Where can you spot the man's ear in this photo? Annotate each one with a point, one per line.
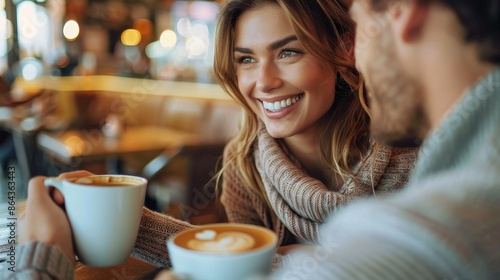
(409, 19)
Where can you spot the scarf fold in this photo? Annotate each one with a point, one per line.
(301, 202)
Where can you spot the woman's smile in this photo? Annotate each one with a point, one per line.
(288, 88)
(280, 107)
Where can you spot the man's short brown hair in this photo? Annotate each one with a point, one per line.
(480, 18)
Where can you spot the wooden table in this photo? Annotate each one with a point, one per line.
(131, 269)
(75, 146)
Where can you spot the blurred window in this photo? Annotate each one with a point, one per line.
(185, 48)
(40, 30)
(5, 33)
(33, 28)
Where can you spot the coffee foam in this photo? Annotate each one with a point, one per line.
(225, 242)
(83, 181)
(230, 238)
(101, 180)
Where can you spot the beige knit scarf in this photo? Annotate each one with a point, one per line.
(301, 202)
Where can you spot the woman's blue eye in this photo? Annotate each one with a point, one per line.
(245, 60)
(289, 53)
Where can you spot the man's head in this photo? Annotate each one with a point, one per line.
(419, 56)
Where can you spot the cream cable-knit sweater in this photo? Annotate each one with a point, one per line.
(390, 172)
(300, 201)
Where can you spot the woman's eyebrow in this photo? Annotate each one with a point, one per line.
(282, 42)
(243, 50)
(272, 46)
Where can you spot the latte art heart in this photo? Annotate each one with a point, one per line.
(206, 235)
(226, 242)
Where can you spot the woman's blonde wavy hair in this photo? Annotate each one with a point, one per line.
(327, 32)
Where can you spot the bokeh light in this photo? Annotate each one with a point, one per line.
(184, 27)
(71, 30)
(131, 37)
(200, 30)
(168, 39)
(154, 50)
(195, 46)
(30, 68)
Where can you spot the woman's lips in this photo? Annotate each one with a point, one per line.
(282, 111)
(281, 104)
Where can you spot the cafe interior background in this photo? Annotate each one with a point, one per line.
(114, 86)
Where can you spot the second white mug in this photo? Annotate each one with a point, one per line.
(223, 252)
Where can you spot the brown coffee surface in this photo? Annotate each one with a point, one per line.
(111, 181)
(226, 242)
(224, 239)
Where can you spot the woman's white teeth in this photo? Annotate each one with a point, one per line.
(278, 105)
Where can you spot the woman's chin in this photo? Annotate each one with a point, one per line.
(277, 131)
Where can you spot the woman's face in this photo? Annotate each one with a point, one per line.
(287, 87)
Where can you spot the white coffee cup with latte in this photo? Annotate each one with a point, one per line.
(104, 212)
(223, 251)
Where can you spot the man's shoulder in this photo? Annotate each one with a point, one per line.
(473, 177)
(452, 200)
(475, 187)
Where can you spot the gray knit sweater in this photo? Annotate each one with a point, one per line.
(300, 201)
(444, 225)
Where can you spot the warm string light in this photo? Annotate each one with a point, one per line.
(71, 30)
(131, 37)
(168, 39)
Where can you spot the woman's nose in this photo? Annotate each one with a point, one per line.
(268, 77)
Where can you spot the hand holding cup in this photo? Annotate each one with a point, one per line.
(104, 212)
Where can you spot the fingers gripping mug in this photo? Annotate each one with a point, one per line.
(104, 212)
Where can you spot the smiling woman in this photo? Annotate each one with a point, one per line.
(304, 148)
(272, 67)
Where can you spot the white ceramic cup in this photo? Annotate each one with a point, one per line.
(211, 261)
(104, 212)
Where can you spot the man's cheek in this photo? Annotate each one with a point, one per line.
(358, 58)
(360, 55)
